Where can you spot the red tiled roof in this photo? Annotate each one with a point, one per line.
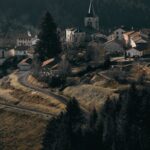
(48, 62)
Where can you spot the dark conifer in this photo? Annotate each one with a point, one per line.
(93, 119)
(48, 45)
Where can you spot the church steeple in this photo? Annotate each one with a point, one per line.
(91, 11)
(91, 20)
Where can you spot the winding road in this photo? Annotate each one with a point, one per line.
(23, 80)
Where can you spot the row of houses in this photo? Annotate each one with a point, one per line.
(119, 41)
(21, 45)
(135, 43)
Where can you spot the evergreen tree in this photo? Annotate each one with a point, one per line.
(51, 133)
(93, 119)
(74, 119)
(74, 113)
(65, 131)
(48, 45)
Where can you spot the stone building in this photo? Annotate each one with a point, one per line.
(75, 36)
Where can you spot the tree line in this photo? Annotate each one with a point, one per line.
(16, 13)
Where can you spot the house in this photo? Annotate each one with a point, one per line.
(117, 34)
(75, 36)
(130, 38)
(21, 51)
(134, 39)
(113, 47)
(10, 53)
(24, 39)
(141, 44)
(6, 53)
(91, 20)
(134, 53)
(145, 33)
(49, 67)
(34, 40)
(99, 37)
(111, 37)
(25, 64)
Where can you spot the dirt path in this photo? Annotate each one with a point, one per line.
(25, 110)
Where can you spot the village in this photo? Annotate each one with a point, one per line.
(90, 58)
(97, 69)
(120, 43)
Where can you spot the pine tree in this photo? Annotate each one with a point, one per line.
(93, 118)
(50, 136)
(74, 120)
(74, 113)
(48, 45)
(65, 131)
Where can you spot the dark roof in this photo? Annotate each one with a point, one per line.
(21, 48)
(26, 61)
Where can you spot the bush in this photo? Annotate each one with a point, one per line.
(56, 81)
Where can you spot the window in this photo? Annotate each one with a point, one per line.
(89, 23)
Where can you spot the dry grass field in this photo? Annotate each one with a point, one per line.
(20, 131)
(12, 91)
(90, 96)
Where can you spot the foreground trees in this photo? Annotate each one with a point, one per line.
(64, 131)
(122, 124)
(48, 45)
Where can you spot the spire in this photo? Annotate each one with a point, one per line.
(91, 11)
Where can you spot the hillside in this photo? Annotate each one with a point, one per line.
(15, 13)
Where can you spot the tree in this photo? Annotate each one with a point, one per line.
(65, 131)
(50, 135)
(93, 118)
(74, 115)
(74, 122)
(48, 45)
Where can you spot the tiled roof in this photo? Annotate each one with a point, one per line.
(26, 61)
(50, 62)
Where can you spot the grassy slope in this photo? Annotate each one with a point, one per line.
(89, 95)
(20, 132)
(15, 92)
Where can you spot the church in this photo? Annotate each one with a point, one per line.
(91, 20)
(91, 26)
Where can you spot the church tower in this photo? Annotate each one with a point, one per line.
(91, 20)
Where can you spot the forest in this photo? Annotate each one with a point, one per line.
(122, 124)
(19, 14)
